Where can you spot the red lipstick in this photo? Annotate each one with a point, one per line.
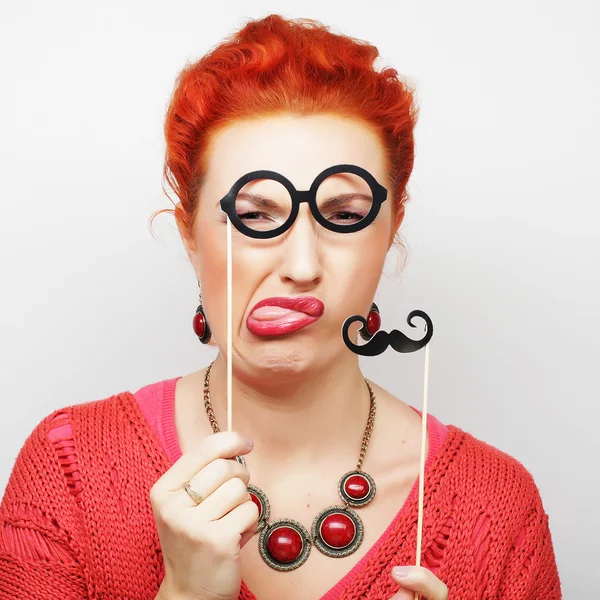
(283, 314)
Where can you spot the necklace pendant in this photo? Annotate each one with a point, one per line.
(356, 488)
(262, 502)
(284, 544)
(337, 531)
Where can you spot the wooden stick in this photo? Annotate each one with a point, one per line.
(422, 467)
(229, 331)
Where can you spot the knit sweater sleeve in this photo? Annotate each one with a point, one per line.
(529, 567)
(40, 558)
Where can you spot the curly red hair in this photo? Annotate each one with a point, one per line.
(274, 65)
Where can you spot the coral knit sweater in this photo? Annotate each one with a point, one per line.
(76, 520)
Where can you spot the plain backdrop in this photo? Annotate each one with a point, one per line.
(502, 226)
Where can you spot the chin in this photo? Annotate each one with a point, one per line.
(289, 361)
(286, 359)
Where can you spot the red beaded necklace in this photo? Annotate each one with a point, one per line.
(337, 531)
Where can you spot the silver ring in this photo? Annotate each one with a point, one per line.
(193, 493)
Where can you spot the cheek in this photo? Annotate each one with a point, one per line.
(250, 266)
(355, 272)
(212, 257)
(212, 264)
(362, 268)
(371, 252)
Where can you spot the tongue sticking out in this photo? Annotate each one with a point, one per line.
(272, 313)
(269, 318)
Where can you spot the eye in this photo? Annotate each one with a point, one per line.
(252, 215)
(347, 216)
(345, 209)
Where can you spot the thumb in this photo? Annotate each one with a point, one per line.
(249, 534)
(403, 595)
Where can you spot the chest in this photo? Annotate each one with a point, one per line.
(320, 573)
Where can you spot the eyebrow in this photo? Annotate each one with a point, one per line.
(341, 198)
(257, 199)
(262, 201)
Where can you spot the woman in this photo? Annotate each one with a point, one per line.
(140, 495)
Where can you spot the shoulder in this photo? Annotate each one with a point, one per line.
(490, 469)
(99, 423)
(82, 418)
(493, 465)
(60, 423)
(54, 437)
(45, 472)
(81, 440)
(492, 484)
(54, 424)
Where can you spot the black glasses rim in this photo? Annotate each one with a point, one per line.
(379, 196)
(341, 168)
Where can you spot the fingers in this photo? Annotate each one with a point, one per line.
(209, 479)
(219, 445)
(406, 594)
(224, 499)
(243, 518)
(421, 580)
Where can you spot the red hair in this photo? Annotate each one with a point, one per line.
(274, 65)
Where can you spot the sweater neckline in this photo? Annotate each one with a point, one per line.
(434, 433)
(173, 449)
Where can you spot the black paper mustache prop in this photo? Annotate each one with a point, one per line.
(380, 342)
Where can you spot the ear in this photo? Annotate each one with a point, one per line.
(190, 246)
(398, 217)
(187, 243)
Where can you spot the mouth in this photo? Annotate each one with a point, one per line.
(282, 314)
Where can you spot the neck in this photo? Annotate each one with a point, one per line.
(298, 420)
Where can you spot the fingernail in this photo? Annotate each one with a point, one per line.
(249, 442)
(400, 572)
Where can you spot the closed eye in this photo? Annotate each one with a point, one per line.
(346, 208)
(252, 215)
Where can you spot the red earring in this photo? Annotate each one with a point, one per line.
(200, 324)
(373, 323)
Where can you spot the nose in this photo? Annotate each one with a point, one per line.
(301, 262)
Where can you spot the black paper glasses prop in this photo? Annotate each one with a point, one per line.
(264, 204)
(400, 343)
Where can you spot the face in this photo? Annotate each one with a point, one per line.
(309, 279)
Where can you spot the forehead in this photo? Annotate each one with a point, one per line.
(298, 147)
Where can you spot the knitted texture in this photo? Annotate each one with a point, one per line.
(76, 520)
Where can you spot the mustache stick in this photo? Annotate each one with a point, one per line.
(422, 466)
(229, 331)
(377, 344)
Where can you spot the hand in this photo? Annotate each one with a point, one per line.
(420, 580)
(201, 542)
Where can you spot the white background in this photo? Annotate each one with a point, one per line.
(502, 225)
